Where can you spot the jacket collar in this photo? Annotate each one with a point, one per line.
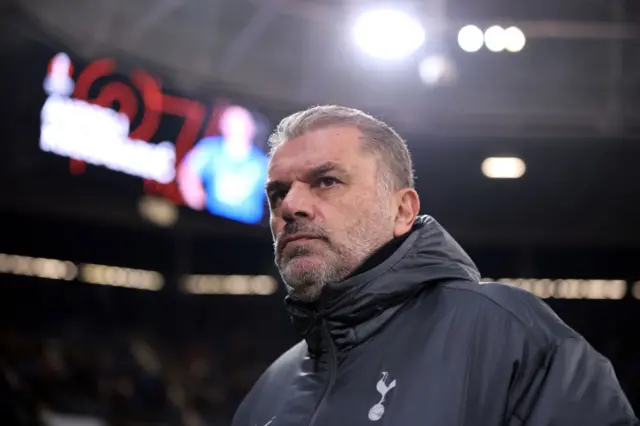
(356, 308)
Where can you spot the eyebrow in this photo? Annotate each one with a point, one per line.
(313, 173)
(324, 169)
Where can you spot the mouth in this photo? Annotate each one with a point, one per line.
(296, 237)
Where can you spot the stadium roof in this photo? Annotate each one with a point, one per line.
(567, 103)
(576, 75)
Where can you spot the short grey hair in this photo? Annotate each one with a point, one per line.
(379, 139)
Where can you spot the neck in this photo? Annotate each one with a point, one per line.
(345, 308)
(380, 255)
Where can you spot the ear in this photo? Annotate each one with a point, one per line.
(408, 207)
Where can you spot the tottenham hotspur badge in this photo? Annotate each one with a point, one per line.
(377, 411)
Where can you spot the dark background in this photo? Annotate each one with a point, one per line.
(567, 105)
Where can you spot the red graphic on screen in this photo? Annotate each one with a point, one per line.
(125, 97)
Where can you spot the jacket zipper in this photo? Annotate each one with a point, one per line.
(333, 368)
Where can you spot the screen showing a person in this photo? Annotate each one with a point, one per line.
(207, 158)
(225, 174)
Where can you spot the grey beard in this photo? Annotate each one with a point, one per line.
(307, 286)
(365, 237)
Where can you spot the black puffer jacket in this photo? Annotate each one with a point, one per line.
(417, 340)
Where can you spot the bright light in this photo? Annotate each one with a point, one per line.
(388, 34)
(514, 39)
(571, 288)
(121, 277)
(494, 39)
(158, 211)
(37, 267)
(436, 70)
(230, 284)
(470, 38)
(100, 136)
(503, 167)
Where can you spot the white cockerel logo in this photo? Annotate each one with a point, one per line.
(377, 411)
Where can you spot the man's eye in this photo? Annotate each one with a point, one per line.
(275, 197)
(327, 182)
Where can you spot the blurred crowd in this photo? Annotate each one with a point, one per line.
(79, 356)
(125, 379)
(131, 379)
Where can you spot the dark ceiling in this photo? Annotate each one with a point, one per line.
(568, 104)
(577, 74)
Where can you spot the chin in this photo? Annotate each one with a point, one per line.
(303, 266)
(305, 290)
(307, 259)
(300, 267)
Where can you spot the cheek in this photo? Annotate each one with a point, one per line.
(276, 225)
(366, 212)
(348, 214)
(344, 217)
(359, 205)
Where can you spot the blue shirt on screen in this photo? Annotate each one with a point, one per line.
(234, 186)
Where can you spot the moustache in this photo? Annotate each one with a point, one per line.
(298, 227)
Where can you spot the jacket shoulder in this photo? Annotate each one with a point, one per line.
(521, 306)
(287, 362)
(277, 375)
(282, 369)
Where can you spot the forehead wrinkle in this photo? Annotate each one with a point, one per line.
(307, 170)
(300, 154)
(317, 138)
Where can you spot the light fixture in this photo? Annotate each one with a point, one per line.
(388, 34)
(470, 38)
(436, 69)
(514, 39)
(494, 38)
(503, 167)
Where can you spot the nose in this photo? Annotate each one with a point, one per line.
(297, 204)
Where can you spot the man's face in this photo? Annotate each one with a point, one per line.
(237, 125)
(329, 211)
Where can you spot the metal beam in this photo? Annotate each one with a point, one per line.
(151, 18)
(563, 30)
(103, 30)
(250, 34)
(533, 29)
(613, 107)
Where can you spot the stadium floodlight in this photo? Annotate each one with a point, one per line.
(503, 167)
(494, 38)
(470, 38)
(436, 69)
(514, 39)
(388, 34)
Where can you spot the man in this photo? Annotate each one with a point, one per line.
(226, 174)
(396, 328)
